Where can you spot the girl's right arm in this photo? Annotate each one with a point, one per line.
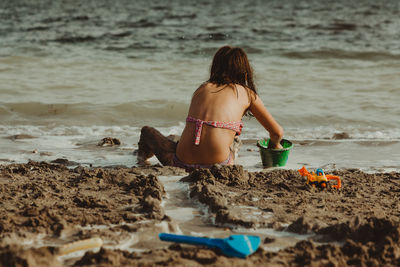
(265, 118)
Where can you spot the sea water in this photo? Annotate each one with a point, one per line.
(72, 73)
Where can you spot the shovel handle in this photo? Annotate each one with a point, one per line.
(193, 240)
(80, 245)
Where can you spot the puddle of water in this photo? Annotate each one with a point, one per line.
(269, 232)
(188, 214)
(76, 254)
(193, 217)
(177, 204)
(281, 239)
(125, 244)
(144, 237)
(250, 213)
(35, 241)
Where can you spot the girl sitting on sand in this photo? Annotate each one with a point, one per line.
(214, 118)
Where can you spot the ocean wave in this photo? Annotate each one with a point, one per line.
(180, 16)
(75, 131)
(339, 134)
(214, 36)
(133, 46)
(120, 34)
(72, 39)
(135, 113)
(209, 51)
(141, 23)
(336, 26)
(341, 54)
(322, 134)
(206, 51)
(290, 25)
(51, 20)
(37, 28)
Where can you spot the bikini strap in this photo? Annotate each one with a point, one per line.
(234, 126)
(199, 127)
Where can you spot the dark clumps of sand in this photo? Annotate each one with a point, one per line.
(357, 225)
(50, 198)
(341, 136)
(285, 195)
(15, 255)
(374, 242)
(109, 141)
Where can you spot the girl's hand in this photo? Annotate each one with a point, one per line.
(271, 145)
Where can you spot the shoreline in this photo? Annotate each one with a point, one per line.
(372, 156)
(46, 205)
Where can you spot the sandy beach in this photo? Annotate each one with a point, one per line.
(47, 205)
(79, 79)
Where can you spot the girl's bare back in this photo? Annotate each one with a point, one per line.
(226, 103)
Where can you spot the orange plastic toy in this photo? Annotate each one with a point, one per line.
(319, 179)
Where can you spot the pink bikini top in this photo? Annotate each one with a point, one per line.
(234, 126)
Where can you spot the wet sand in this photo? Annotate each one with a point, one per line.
(45, 205)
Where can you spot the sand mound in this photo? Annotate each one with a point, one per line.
(14, 255)
(285, 195)
(54, 203)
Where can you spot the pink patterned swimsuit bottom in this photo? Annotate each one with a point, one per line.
(192, 167)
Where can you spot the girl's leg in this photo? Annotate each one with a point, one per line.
(151, 143)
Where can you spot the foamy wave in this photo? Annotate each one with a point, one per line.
(96, 130)
(132, 133)
(324, 133)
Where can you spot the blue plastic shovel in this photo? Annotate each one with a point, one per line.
(239, 246)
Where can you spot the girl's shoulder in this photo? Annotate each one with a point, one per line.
(245, 91)
(238, 89)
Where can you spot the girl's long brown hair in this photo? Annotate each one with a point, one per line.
(230, 66)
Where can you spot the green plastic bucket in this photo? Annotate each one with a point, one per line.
(274, 157)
